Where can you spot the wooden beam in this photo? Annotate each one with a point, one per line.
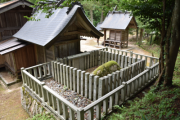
(76, 32)
(70, 33)
(9, 28)
(104, 36)
(66, 41)
(6, 37)
(19, 11)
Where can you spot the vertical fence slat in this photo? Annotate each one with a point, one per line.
(95, 93)
(87, 85)
(65, 111)
(98, 111)
(91, 114)
(67, 76)
(101, 87)
(61, 74)
(71, 114)
(74, 79)
(91, 81)
(78, 81)
(59, 107)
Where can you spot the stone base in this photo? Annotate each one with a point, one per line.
(32, 105)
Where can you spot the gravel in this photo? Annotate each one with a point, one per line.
(68, 94)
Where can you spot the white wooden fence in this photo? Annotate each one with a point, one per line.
(88, 85)
(106, 91)
(152, 60)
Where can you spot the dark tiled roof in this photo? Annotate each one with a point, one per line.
(117, 20)
(12, 4)
(7, 3)
(11, 45)
(43, 31)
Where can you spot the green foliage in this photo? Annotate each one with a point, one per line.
(1, 1)
(42, 117)
(150, 12)
(154, 106)
(106, 68)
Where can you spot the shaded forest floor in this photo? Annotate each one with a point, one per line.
(163, 104)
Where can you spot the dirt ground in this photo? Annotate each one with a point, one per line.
(10, 103)
(10, 99)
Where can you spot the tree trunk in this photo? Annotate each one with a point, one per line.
(161, 60)
(137, 34)
(91, 13)
(175, 44)
(141, 36)
(102, 17)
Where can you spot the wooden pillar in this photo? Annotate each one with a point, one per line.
(98, 41)
(137, 34)
(0, 36)
(104, 36)
(127, 36)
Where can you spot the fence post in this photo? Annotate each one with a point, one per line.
(131, 54)
(106, 48)
(123, 92)
(52, 68)
(80, 114)
(101, 87)
(44, 95)
(22, 75)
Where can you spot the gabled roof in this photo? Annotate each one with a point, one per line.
(98, 26)
(117, 20)
(11, 45)
(47, 29)
(12, 4)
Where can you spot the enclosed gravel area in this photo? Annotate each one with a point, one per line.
(68, 94)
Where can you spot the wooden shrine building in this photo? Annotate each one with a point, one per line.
(11, 20)
(118, 24)
(50, 38)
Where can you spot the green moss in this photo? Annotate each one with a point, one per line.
(106, 68)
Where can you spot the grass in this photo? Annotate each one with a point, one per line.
(155, 105)
(42, 117)
(163, 104)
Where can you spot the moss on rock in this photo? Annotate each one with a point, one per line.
(106, 68)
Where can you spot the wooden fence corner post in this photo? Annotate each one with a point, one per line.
(131, 54)
(22, 75)
(80, 114)
(43, 92)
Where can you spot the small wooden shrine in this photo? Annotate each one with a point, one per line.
(118, 24)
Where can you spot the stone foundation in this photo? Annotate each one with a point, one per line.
(32, 104)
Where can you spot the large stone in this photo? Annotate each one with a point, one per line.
(32, 106)
(106, 68)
